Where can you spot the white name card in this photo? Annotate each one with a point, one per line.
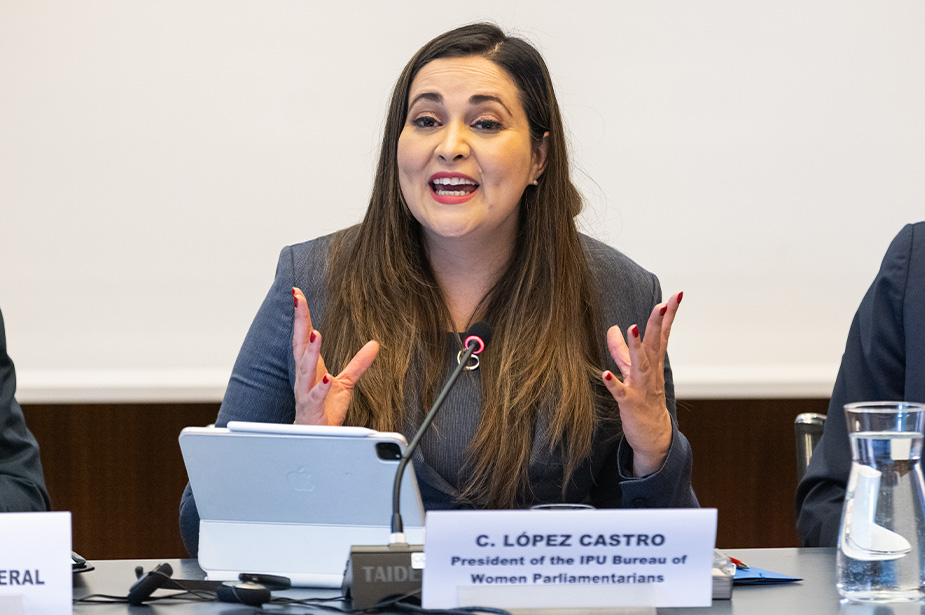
(569, 558)
(35, 563)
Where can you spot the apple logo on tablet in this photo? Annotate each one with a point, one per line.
(300, 480)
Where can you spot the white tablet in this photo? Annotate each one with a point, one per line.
(291, 499)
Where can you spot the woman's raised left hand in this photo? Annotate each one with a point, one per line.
(641, 394)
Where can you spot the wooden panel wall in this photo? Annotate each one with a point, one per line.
(745, 466)
(118, 469)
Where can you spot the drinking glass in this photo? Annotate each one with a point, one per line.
(883, 517)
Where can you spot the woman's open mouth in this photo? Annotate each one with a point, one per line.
(451, 189)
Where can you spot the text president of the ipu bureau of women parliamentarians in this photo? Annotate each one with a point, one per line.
(472, 217)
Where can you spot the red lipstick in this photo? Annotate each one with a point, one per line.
(452, 188)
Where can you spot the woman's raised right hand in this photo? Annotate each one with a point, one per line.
(320, 398)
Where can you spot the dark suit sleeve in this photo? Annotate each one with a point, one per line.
(873, 368)
(260, 388)
(22, 485)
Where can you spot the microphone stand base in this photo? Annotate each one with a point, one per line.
(377, 572)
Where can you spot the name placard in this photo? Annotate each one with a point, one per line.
(569, 558)
(35, 563)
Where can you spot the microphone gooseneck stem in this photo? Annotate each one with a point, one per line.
(397, 525)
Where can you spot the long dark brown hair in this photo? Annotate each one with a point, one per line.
(544, 310)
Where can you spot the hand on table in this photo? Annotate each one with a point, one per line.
(320, 398)
(641, 395)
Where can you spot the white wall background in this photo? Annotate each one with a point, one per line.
(155, 156)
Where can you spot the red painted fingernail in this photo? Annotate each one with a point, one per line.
(663, 310)
(311, 338)
(608, 376)
(680, 296)
(295, 300)
(325, 380)
(635, 330)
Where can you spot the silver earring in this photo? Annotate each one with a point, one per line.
(536, 182)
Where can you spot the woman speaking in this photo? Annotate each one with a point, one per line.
(472, 217)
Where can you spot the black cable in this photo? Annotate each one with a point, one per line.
(397, 603)
(187, 595)
(308, 605)
(401, 603)
(397, 525)
(465, 610)
(94, 599)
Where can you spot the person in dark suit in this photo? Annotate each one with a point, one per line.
(884, 360)
(22, 485)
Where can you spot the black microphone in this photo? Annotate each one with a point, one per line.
(475, 340)
(142, 589)
(377, 572)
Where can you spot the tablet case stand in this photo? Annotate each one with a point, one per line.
(291, 500)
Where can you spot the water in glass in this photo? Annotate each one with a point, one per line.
(879, 547)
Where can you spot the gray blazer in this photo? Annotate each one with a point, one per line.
(261, 389)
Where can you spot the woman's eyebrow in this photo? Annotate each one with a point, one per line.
(432, 96)
(476, 99)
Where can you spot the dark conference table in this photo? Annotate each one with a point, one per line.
(814, 595)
